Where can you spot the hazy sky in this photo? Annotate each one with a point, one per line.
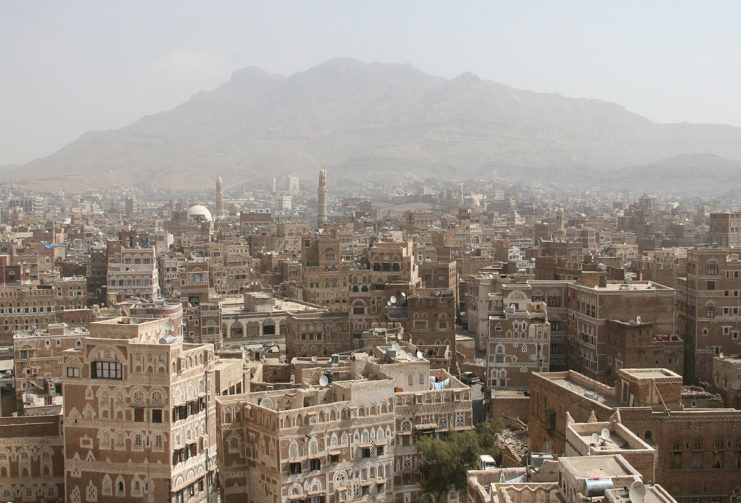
(67, 67)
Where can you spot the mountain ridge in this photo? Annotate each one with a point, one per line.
(355, 117)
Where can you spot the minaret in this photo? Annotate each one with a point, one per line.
(321, 211)
(219, 198)
(560, 233)
(461, 199)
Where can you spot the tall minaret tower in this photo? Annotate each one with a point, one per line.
(321, 211)
(461, 199)
(560, 233)
(219, 198)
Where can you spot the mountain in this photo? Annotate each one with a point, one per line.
(701, 174)
(368, 120)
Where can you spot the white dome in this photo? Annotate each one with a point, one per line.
(199, 212)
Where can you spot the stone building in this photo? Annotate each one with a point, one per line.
(317, 334)
(132, 272)
(607, 478)
(698, 451)
(351, 439)
(708, 309)
(38, 359)
(25, 307)
(611, 438)
(555, 294)
(70, 293)
(519, 339)
(635, 344)
(324, 273)
(258, 315)
(479, 303)
(725, 229)
(439, 276)
(727, 379)
(139, 418)
(31, 459)
(160, 308)
(593, 301)
(431, 317)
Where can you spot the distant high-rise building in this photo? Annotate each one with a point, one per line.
(322, 198)
(32, 205)
(130, 206)
(287, 185)
(219, 198)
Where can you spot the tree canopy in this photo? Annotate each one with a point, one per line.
(445, 461)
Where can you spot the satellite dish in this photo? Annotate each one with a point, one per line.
(169, 325)
(393, 299)
(313, 359)
(438, 293)
(323, 381)
(637, 492)
(409, 357)
(595, 439)
(419, 354)
(605, 434)
(389, 303)
(267, 403)
(403, 295)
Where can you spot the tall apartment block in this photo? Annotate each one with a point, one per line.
(139, 418)
(725, 229)
(132, 272)
(708, 305)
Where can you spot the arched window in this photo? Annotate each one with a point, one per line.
(120, 487)
(293, 450)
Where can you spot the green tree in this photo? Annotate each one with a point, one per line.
(445, 461)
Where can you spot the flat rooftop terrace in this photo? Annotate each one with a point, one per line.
(585, 391)
(592, 467)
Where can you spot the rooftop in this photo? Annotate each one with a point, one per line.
(617, 286)
(602, 467)
(649, 373)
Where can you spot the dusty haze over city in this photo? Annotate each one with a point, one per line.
(76, 67)
(370, 251)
